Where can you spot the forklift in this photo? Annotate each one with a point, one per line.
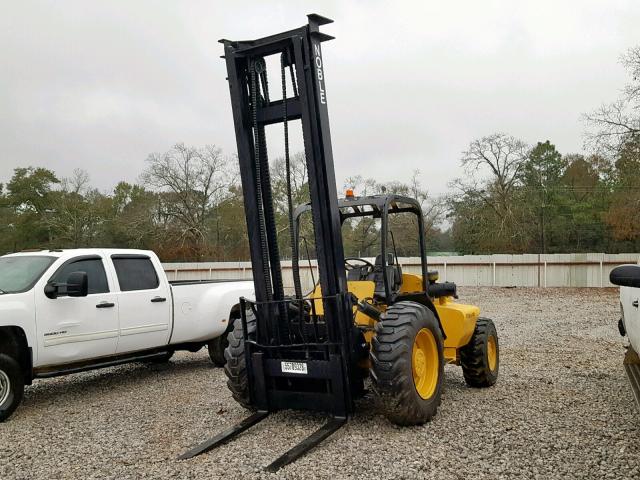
(364, 323)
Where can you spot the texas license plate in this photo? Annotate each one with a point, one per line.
(294, 367)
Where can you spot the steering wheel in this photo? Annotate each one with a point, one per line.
(365, 263)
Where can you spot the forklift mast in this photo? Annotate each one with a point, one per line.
(286, 328)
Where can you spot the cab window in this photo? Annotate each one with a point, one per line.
(135, 273)
(96, 275)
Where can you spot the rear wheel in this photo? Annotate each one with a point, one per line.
(236, 365)
(216, 349)
(407, 363)
(11, 386)
(480, 358)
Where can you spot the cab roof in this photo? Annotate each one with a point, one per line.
(371, 206)
(72, 252)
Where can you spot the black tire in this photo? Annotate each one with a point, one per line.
(12, 378)
(474, 357)
(236, 365)
(159, 360)
(392, 372)
(621, 328)
(217, 346)
(216, 349)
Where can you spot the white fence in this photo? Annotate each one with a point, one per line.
(529, 270)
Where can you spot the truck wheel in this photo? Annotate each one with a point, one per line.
(480, 358)
(11, 386)
(236, 365)
(216, 349)
(621, 328)
(407, 363)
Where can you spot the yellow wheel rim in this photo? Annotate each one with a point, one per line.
(425, 363)
(492, 353)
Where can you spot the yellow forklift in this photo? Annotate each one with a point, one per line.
(362, 320)
(399, 312)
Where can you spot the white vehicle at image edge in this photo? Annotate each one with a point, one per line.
(66, 311)
(628, 278)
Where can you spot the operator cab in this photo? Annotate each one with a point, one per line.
(377, 230)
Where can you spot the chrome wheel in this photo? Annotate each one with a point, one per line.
(5, 387)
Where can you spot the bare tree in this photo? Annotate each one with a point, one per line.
(433, 208)
(298, 171)
(362, 186)
(191, 182)
(503, 156)
(613, 125)
(78, 183)
(494, 166)
(299, 181)
(364, 233)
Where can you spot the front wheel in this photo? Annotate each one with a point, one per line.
(480, 358)
(407, 363)
(236, 364)
(11, 386)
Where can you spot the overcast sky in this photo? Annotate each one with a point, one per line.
(100, 85)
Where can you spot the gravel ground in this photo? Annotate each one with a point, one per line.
(562, 408)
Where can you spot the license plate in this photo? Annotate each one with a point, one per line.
(294, 367)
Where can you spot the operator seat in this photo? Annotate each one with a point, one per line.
(394, 273)
(355, 274)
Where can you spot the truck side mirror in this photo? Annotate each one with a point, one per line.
(626, 276)
(77, 284)
(51, 290)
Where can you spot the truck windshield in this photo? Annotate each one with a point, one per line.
(19, 274)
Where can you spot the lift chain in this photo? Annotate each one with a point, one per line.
(278, 326)
(256, 156)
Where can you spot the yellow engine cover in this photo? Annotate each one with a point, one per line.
(459, 322)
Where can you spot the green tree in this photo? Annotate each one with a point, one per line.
(134, 221)
(79, 214)
(541, 178)
(7, 219)
(231, 241)
(584, 196)
(30, 197)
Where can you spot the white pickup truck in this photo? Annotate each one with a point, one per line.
(66, 311)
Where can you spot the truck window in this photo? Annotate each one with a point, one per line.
(96, 276)
(20, 273)
(135, 273)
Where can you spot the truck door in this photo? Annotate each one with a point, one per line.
(71, 329)
(145, 303)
